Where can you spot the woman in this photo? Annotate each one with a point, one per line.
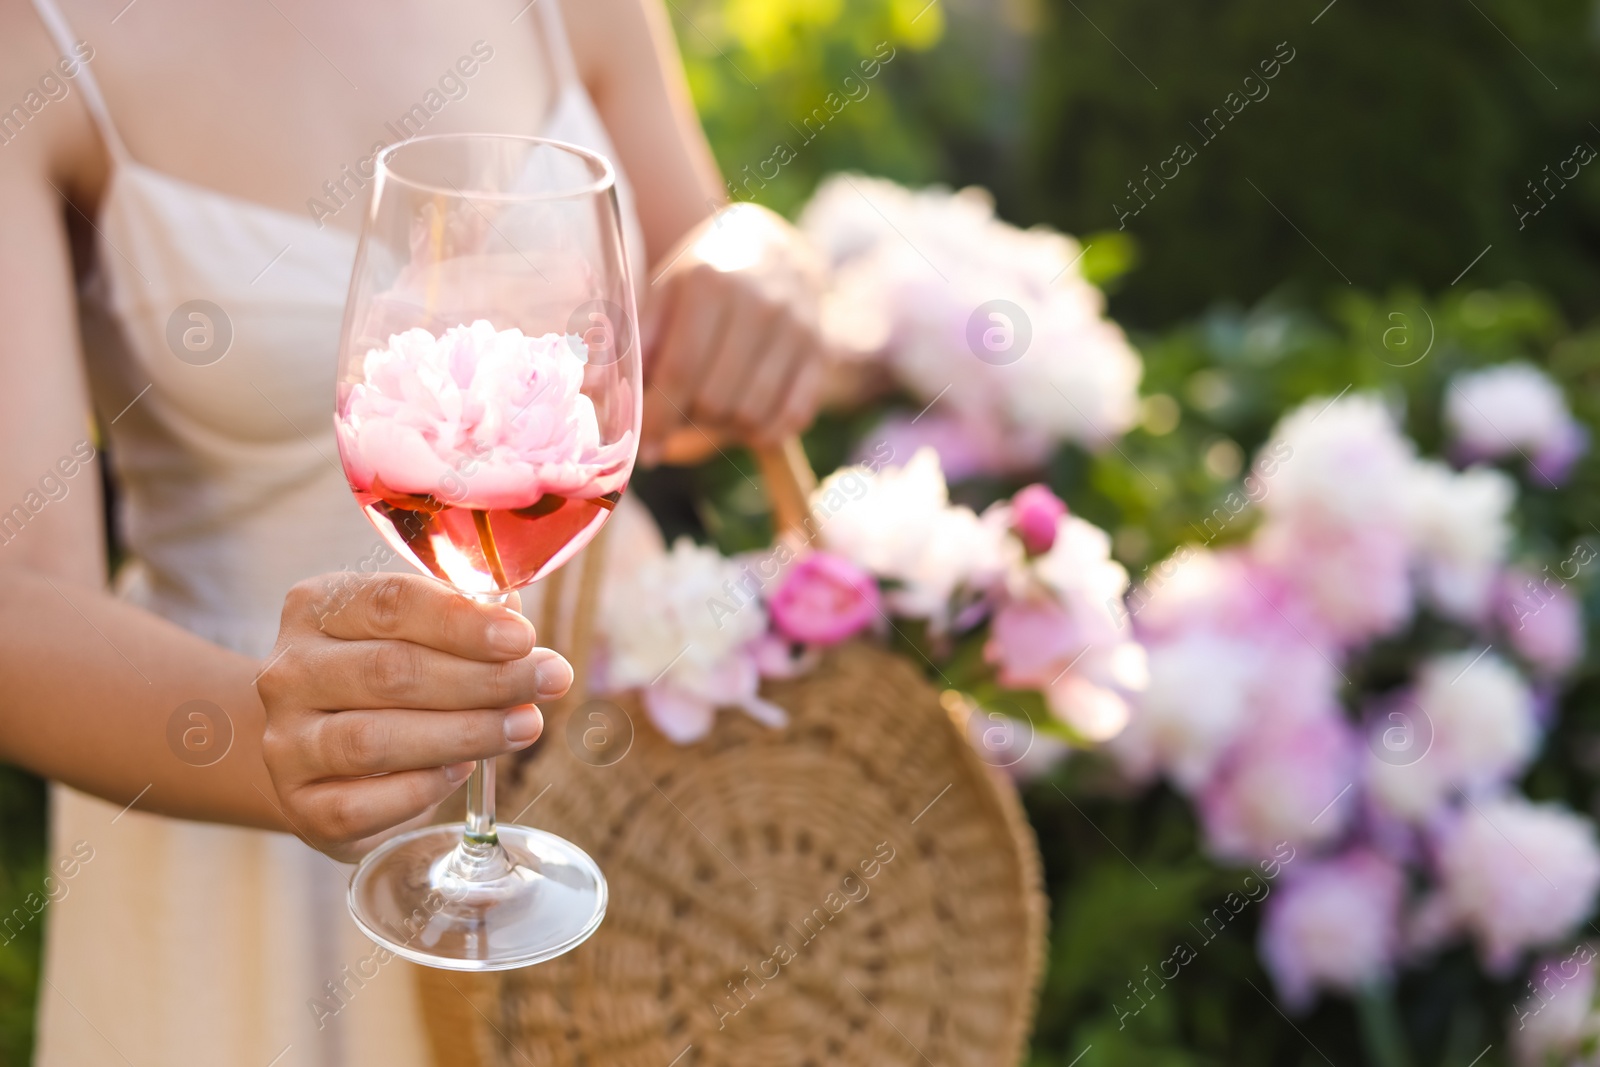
(211, 163)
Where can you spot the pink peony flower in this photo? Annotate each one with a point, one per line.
(1060, 627)
(1357, 579)
(1283, 781)
(1200, 697)
(1208, 689)
(1231, 647)
(1559, 1019)
(1517, 875)
(1035, 513)
(1031, 641)
(1334, 924)
(1230, 591)
(966, 450)
(823, 600)
(1543, 621)
(1561, 449)
(478, 418)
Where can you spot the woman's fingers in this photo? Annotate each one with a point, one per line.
(353, 675)
(351, 810)
(383, 691)
(798, 404)
(409, 607)
(742, 346)
(693, 321)
(355, 744)
(733, 344)
(764, 393)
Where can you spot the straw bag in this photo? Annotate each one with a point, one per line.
(857, 888)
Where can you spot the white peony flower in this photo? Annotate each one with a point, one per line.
(1475, 718)
(1346, 464)
(1517, 875)
(899, 524)
(1338, 516)
(694, 649)
(1199, 698)
(1460, 529)
(1514, 408)
(915, 273)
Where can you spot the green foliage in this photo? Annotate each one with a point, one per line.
(22, 845)
(762, 72)
(1395, 141)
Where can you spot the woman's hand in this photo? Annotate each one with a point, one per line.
(382, 691)
(732, 341)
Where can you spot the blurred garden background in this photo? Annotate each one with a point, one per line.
(1401, 184)
(1394, 176)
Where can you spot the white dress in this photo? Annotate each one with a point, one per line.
(185, 944)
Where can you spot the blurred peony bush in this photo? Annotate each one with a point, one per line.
(1303, 599)
(1253, 650)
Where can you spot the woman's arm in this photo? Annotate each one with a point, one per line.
(730, 317)
(364, 715)
(629, 62)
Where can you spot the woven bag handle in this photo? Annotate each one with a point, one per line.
(789, 482)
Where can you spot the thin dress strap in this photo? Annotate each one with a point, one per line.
(555, 33)
(56, 23)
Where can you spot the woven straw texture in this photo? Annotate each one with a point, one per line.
(858, 888)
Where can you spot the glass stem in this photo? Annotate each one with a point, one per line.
(480, 832)
(480, 805)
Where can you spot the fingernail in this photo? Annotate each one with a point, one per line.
(523, 725)
(458, 772)
(511, 637)
(553, 677)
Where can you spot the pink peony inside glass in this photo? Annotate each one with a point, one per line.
(477, 454)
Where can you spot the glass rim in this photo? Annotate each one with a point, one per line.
(606, 179)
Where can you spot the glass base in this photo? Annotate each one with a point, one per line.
(434, 898)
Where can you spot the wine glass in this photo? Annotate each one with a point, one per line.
(487, 416)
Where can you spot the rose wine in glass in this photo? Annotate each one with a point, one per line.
(487, 416)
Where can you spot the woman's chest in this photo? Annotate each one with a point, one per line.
(226, 235)
(282, 103)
